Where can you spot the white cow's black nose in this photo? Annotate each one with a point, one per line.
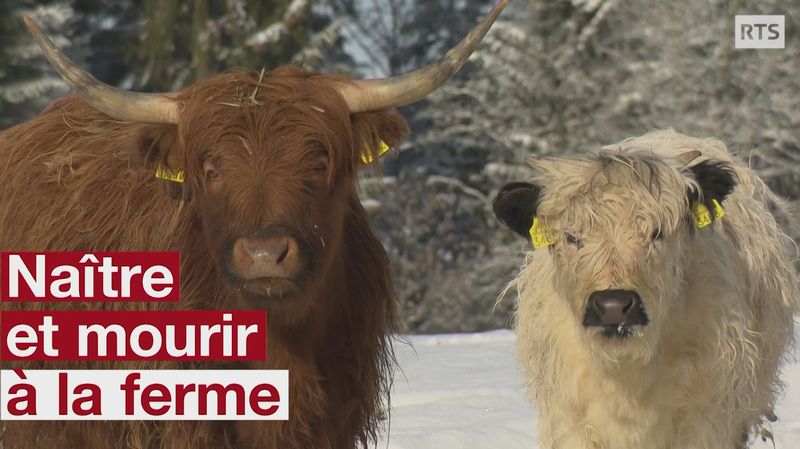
(613, 308)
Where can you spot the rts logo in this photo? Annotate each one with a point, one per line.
(760, 32)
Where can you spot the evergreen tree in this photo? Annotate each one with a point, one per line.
(182, 42)
(567, 77)
(151, 45)
(25, 81)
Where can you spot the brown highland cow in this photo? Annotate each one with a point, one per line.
(267, 218)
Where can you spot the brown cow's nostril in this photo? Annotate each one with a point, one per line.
(260, 257)
(265, 251)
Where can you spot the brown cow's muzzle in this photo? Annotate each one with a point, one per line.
(271, 263)
(266, 258)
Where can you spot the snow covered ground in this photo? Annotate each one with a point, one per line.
(465, 392)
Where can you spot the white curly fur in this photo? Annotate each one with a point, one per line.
(720, 302)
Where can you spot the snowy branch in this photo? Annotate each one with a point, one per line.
(274, 32)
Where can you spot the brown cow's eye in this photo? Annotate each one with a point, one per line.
(320, 167)
(657, 235)
(320, 162)
(210, 170)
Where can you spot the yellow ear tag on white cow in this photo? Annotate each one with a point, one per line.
(170, 174)
(539, 236)
(367, 158)
(702, 216)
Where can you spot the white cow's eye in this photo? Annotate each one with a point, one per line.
(572, 240)
(657, 235)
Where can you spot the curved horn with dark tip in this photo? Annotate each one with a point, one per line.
(119, 104)
(373, 95)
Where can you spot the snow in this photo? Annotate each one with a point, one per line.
(465, 391)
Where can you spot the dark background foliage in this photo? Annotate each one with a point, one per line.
(553, 77)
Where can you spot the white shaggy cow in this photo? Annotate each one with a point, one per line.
(659, 308)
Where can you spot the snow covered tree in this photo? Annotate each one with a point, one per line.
(153, 45)
(25, 82)
(213, 35)
(391, 37)
(563, 77)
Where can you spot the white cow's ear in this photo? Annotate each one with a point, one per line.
(543, 165)
(686, 158)
(515, 206)
(558, 168)
(714, 179)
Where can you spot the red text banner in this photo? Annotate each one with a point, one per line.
(133, 335)
(89, 276)
(86, 395)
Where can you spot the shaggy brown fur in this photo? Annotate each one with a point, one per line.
(74, 179)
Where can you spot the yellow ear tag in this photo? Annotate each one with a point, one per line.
(702, 216)
(179, 176)
(170, 174)
(367, 158)
(539, 236)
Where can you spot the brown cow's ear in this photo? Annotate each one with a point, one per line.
(373, 129)
(158, 148)
(715, 179)
(515, 206)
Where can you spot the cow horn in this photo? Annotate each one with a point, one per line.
(373, 95)
(120, 104)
